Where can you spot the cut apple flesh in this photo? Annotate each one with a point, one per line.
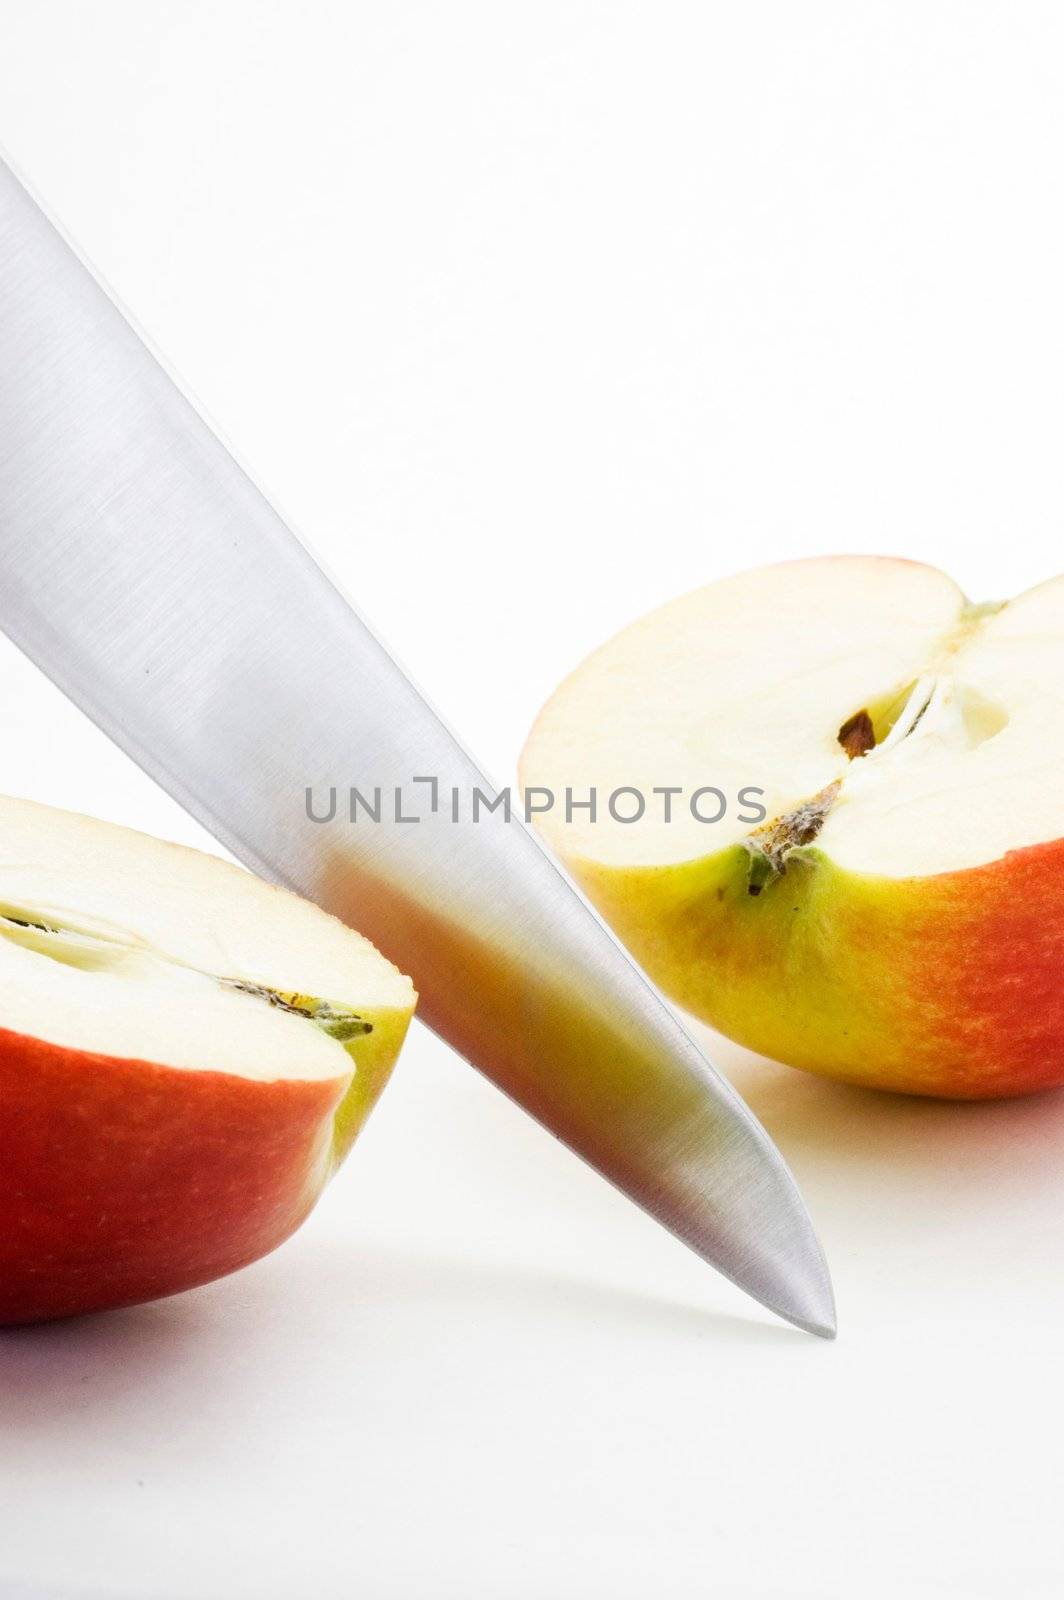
(749, 683)
(185, 1055)
(117, 942)
(891, 731)
(123, 1000)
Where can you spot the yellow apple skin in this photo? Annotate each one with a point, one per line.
(950, 985)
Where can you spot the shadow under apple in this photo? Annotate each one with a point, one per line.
(911, 1178)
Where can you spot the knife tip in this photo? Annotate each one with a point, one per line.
(823, 1330)
(805, 1298)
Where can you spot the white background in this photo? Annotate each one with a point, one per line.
(532, 316)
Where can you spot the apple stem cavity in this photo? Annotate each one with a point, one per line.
(770, 845)
(338, 1022)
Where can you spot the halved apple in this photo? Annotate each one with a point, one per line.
(895, 914)
(186, 1055)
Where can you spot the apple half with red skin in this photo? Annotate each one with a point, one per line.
(896, 917)
(186, 1055)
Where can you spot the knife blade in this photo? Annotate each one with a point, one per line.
(148, 576)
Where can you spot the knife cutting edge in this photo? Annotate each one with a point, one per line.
(147, 575)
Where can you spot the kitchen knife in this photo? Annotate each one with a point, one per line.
(149, 577)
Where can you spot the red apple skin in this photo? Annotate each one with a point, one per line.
(121, 1180)
(949, 986)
